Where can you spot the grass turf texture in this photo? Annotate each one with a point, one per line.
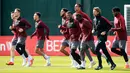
(60, 64)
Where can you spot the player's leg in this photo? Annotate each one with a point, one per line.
(12, 50)
(21, 46)
(98, 57)
(122, 44)
(39, 50)
(82, 53)
(90, 45)
(103, 47)
(115, 47)
(63, 46)
(74, 45)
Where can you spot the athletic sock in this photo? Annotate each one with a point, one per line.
(11, 59)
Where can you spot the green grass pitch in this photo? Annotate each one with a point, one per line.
(60, 64)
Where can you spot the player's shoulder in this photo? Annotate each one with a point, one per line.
(23, 19)
(41, 22)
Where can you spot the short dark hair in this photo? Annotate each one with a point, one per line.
(79, 4)
(69, 12)
(38, 13)
(116, 9)
(79, 15)
(18, 9)
(65, 9)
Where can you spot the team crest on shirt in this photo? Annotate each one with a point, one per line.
(16, 22)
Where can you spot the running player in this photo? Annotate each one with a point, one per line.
(87, 39)
(41, 36)
(121, 35)
(21, 25)
(102, 26)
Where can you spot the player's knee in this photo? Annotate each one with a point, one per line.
(36, 50)
(12, 49)
(62, 50)
(73, 52)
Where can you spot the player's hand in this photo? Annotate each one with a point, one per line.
(93, 31)
(114, 32)
(20, 30)
(103, 33)
(47, 37)
(13, 32)
(10, 27)
(59, 26)
(72, 36)
(61, 32)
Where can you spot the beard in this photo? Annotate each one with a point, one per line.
(62, 15)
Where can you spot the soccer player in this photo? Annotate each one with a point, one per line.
(41, 36)
(87, 39)
(85, 16)
(121, 35)
(65, 42)
(14, 41)
(102, 26)
(21, 25)
(79, 11)
(74, 31)
(66, 35)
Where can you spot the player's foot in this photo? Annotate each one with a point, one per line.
(83, 64)
(127, 66)
(92, 64)
(10, 63)
(75, 64)
(30, 62)
(48, 63)
(113, 66)
(24, 62)
(98, 68)
(79, 67)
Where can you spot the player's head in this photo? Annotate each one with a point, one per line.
(12, 15)
(115, 11)
(79, 17)
(63, 11)
(69, 15)
(77, 7)
(37, 16)
(96, 11)
(17, 12)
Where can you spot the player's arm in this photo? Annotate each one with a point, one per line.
(27, 24)
(79, 30)
(107, 25)
(86, 17)
(33, 34)
(121, 27)
(88, 27)
(47, 30)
